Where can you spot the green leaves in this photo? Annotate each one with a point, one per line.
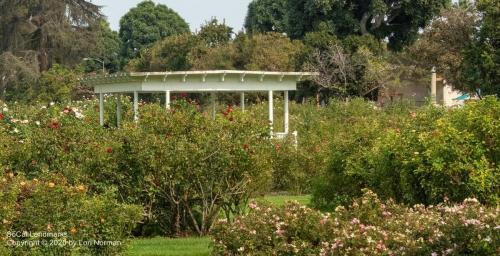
(399, 21)
(146, 24)
(369, 226)
(415, 157)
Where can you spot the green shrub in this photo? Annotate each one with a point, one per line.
(73, 220)
(416, 156)
(193, 165)
(367, 227)
(181, 165)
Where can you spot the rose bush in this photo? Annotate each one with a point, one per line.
(368, 227)
(192, 165)
(184, 167)
(418, 156)
(181, 165)
(50, 205)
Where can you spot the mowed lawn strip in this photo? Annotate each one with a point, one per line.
(194, 246)
(280, 200)
(191, 246)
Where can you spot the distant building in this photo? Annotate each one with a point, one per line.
(420, 93)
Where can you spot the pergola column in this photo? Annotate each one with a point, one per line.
(136, 106)
(242, 101)
(101, 109)
(433, 86)
(214, 104)
(271, 111)
(167, 99)
(287, 124)
(118, 110)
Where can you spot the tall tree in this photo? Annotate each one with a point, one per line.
(482, 57)
(169, 54)
(270, 51)
(146, 24)
(442, 43)
(17, 74)
(215, 33)
(214, 49)
(108, 50)
(266, 15)
(397, 20)
(59, 31)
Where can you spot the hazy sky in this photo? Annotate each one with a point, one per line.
(195, 12)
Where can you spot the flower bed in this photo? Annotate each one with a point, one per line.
(368, 227)
(50, 217)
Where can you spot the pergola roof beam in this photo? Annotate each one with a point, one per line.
(196, 81)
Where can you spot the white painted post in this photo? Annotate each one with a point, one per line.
(242, 101)
(271, 112)
(118, 110)
(214, 105)
(434, 86)
(136, 106)
(167, 99)
(287, 124)
(101, 109)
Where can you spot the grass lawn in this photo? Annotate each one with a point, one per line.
(192, 246)
(169, 247)
(279, 200)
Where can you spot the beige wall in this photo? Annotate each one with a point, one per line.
(418, 93)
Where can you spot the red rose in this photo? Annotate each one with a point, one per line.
(228, 111)
(109, 150)
(277, 147)
(54, 125)
(1, 116)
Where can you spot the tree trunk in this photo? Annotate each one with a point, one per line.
(362, 23)
(177, 225)
(43, 60)
(318, 96)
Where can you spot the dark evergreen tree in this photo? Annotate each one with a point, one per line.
(146, 24)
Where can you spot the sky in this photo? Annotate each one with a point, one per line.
(195, 12)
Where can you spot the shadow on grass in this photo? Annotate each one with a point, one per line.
(194, 246)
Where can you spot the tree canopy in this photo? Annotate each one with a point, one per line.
(36, 34)
(442, 43)
(482, 57)
(397, 20)
(146, 24)
(59, 31)
(266, 15)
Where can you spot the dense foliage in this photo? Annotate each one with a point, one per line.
(399, 21)
(36, 35)
(417, 156)
(146, 24)
(442, 43)
(55, 31)
(176, 171)
(181, 165)
(482, 56)
(48, 216)
(211, 49)
(368, 227)
(266, 15)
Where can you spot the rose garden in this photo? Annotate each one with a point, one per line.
(317, 128)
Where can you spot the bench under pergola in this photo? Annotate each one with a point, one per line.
(219, 81)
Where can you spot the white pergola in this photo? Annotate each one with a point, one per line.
(218, 81)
